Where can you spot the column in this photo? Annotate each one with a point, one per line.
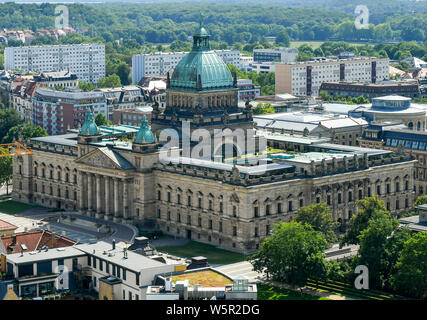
(107, 197)
(116, 199)
(125, 200)
(89, 193)
(98, 196)
(81, 191)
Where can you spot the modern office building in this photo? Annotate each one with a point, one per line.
(87, 61)
(161, 62)
(305, 78)
(284, 55)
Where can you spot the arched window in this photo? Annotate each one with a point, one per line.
(418, 125)
(411, 125)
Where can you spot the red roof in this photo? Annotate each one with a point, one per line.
(34, 240)
(4, 225)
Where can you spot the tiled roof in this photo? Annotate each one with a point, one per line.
(34, 240)
(4, 225)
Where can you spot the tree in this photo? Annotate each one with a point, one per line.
(283, 39)
(6, 171)
(411, 268)
(86, 86)
(8, 119)
(293, 253)
(372, 249)
(263, 108)
(319, 216)
(421, 200)
(25, 131)
(100, 119)
(369, 208)
(123, 71)
(111, 81)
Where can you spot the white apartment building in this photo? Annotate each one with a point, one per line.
(161, 62)
(246, 63)
(264, 67)
(305, 78)
(87, 61)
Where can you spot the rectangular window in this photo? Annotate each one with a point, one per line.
(255, 212)
(290, 206)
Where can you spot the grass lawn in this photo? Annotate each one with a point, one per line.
(270, 292)
(12, 207)
(215, 255)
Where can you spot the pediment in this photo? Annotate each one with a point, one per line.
(105, 158)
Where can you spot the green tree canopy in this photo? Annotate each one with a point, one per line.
(8, 119)
(372, 249)
(26, 131)
(369, 208)
(319, 216)
(283, 39)
(293, 253)
(6, 171)
(100, 119)
(411, 268)
(111, 81)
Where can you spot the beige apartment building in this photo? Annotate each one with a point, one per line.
(305, 78)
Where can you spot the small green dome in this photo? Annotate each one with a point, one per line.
(89, 127)
(144, 134)
(201, 68)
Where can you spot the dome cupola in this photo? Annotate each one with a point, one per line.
(201, 69)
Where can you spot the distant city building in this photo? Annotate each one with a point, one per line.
(127, 97)
(371, 90)
(57, 111)
(391, 135)
(284, 55)
(161, 62)
(246, 63)
(306, 78)
(64, 79)
(396, 108)
(133, 116)
(339, 129)
(87, 61)
(247, 90)
(263, 67)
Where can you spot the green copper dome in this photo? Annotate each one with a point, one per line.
(89, 127)
(201, 69)
(144, 134)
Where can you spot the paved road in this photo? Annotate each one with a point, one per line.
(243, 268)
(121, 232)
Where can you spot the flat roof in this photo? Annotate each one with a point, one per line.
(134, 261)
(50, 254)
(351, 149)
(292, 138)
(69, 139)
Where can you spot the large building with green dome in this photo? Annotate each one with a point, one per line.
(117, 173)
(203, 92)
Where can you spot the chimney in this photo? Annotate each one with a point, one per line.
(114, 244)
(53, 235)
(13, 239)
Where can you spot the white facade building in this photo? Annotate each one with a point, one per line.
(87, 61)
(284, 55)
(161, 62)
(305, 78)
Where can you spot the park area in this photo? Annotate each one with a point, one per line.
(13, 207)
(215, 255)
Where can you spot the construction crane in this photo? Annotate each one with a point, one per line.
(13, 149)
